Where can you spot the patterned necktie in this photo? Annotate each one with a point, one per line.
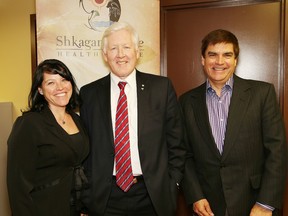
(124, 177)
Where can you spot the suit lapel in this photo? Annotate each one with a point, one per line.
(82, 131)
(105, 105)
(55, 128)
(238, 108)
(142, 98)
(104, 100)
(198, 101)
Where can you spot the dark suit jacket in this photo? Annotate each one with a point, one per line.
(159, 141)
(252, 166)
(40, 165)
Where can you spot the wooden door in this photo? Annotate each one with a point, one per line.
(257, 28)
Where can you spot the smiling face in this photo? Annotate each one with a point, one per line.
(120, 53)
(56, 90)
(219, 63)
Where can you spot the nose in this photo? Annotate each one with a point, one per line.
(59, 86)
(219, 59)
(121, 52)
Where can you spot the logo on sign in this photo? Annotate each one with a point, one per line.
(101, 13)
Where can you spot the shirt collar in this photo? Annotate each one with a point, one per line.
(131, 79)
(228, 84)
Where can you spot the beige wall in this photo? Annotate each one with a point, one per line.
(15, 72)
(5, 116)
(15, 54)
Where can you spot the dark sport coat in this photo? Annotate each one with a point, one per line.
(159, 141)
(253, 164)
(41, 162)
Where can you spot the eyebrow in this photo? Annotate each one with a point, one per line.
(225, 53)
(47, 80)
(229, 53)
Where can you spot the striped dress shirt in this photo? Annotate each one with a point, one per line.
(218, 108)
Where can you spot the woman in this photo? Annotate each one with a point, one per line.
(47, 146)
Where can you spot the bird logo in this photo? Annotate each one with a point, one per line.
(101, 13)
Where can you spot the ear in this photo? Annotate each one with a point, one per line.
(202, 60)
(137, 53)
(104, 56)
(40, 91)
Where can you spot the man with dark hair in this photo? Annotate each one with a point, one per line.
(236, 160)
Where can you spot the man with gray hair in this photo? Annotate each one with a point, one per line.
(134, 124)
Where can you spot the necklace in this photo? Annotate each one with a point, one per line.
(63, 120)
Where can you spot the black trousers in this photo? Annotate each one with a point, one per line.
(135, 202)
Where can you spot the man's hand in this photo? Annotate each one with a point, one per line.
(258, 210)
(202, 208)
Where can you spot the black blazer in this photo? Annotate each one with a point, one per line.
(253, 164)
(159, 139)
(40, 165)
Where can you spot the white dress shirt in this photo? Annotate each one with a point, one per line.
(131, 93)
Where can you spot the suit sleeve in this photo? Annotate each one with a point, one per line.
(191, 186)
(84, 116)
(21, 167)
(274, 141)
(176, 149)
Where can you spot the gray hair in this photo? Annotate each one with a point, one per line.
(117, 26)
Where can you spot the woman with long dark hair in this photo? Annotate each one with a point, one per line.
(47, 146)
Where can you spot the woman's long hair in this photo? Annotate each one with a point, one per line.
(36, 101)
